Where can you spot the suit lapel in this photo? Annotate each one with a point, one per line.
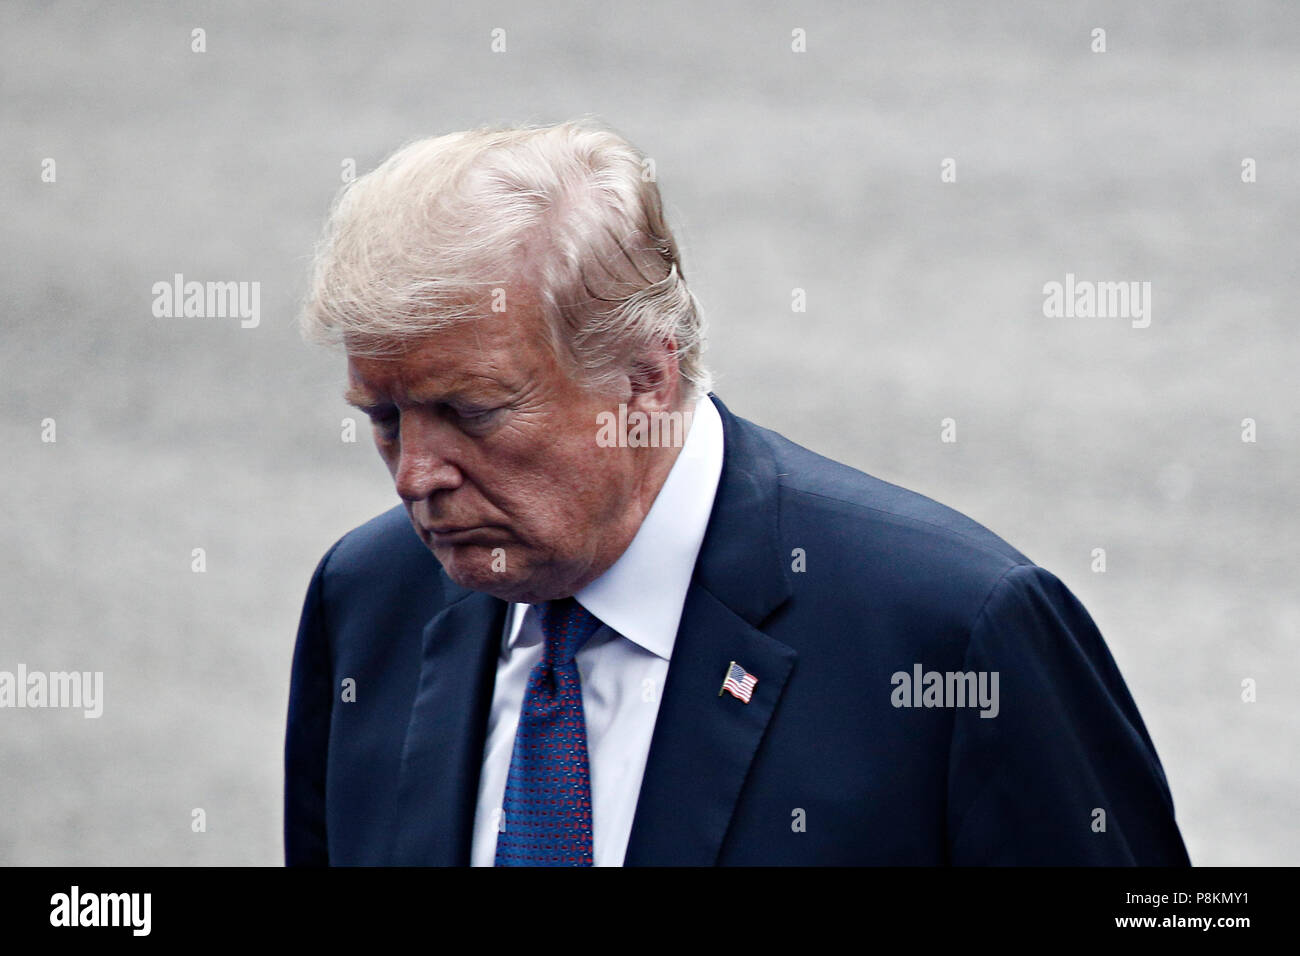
(443, 751)
(703, 744)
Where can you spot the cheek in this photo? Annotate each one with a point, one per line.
(599, 487)
(555, 495)
(557, 485)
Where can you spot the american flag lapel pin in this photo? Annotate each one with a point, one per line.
(739, 683)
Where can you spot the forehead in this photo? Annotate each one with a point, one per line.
(493, 349)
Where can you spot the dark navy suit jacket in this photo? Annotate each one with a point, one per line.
(820, 767)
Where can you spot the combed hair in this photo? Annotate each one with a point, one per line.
(441, 226)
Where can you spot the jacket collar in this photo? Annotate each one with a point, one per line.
(740, 562)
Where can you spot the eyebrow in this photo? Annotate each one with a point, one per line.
(358, 397)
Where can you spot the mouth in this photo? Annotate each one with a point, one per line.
(449, 534)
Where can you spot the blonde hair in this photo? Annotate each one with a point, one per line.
(437, 229)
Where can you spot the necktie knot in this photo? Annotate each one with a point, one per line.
(566, 626)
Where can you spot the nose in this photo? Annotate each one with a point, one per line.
(426, 457)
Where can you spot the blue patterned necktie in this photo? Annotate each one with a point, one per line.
(546, 819)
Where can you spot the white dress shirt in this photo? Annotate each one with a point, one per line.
(623, 665)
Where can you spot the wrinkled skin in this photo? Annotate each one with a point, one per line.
(492, 445)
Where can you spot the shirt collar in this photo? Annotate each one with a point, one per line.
(641, 595)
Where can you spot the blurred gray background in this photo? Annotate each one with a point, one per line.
(781, 170)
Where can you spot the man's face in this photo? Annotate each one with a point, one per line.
(493, 449)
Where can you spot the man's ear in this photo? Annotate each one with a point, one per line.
(655, 378)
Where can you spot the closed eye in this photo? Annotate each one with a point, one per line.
(384, 417)
(475, 419)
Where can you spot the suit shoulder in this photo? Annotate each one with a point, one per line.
(919, 571)
(878, 545)
(377, 587)
(816, 485)
(386, 545)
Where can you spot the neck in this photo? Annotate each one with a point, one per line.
(654, 466)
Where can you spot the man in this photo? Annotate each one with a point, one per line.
(614, 623)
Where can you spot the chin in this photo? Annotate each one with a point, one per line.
(470, 566)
